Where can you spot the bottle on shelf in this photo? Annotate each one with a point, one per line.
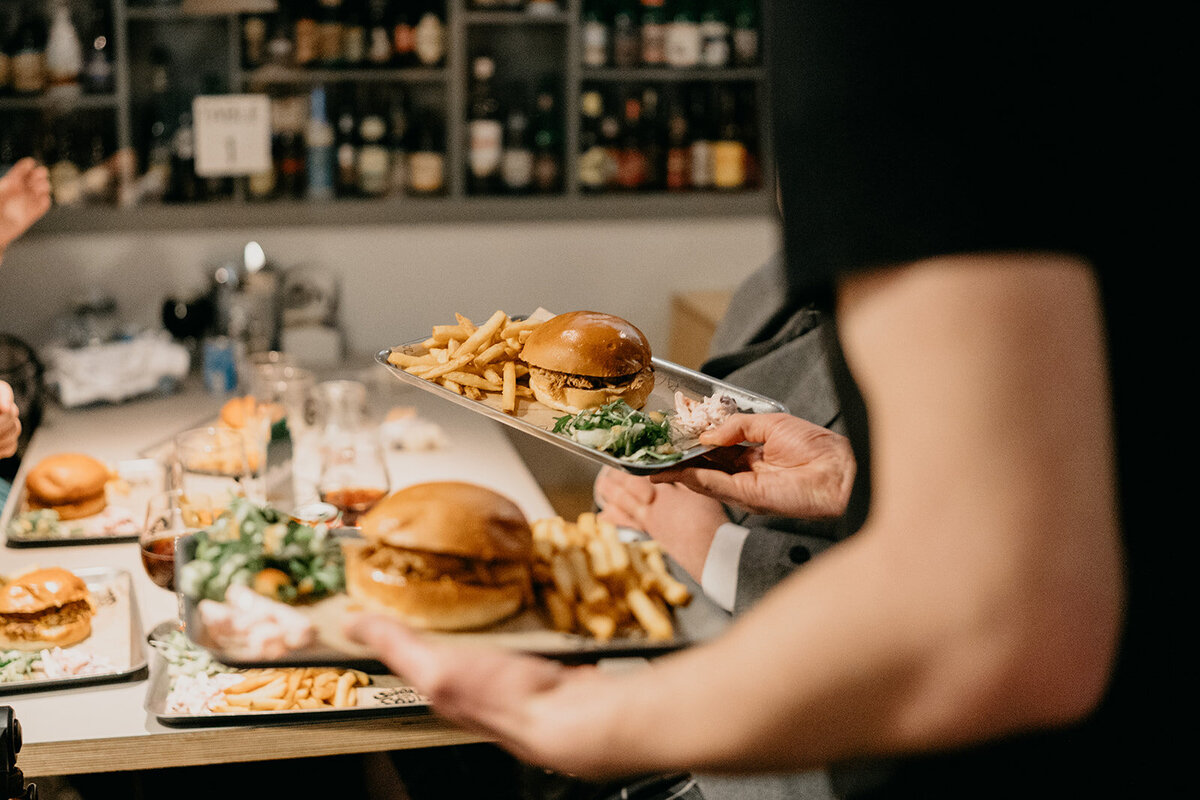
(429, 36)
(404, 35)
(374, 158)
(255, 32)
(592, 157)
(728, 147)
(318, 142)
(66, 186)
(610, 144)
(654, 33)
(280, 49)
(484, 129)
(516, 161)
(27, 54)
(547, 142)
(292, 166)
(354, 34)
(683, 39)
(329, 33)
(594, 34)
(261, 185)
(398, 142)
(651, 137)
(700, 166)
(347, 151)
(98, 68)
(156, 178)
(745, 33)
(677, 169)
(626, 35)
(185, 186)
(306, 39)
(427, 159)
(630, 155)
(6, 43)
(97, 181)
(748, 115)
(379, 34)
(714, 34)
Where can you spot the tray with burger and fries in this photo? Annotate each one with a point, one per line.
(585, 381)
(63, 628)
(450, 558)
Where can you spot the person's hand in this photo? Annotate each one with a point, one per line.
(10, 423)
(800, 469)
(543, 712)
(24, 198)
(679, 519)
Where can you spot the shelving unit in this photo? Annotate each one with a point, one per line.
(557, 36)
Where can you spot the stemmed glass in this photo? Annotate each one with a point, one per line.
(213, 464)
(354, 474)
(167, 519)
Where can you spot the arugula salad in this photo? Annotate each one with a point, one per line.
(261, 547)
(627, 433)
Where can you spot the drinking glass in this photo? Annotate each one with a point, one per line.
(213, 464)
(354, 474)
(167, 518)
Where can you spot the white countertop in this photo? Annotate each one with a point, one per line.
(105, 727)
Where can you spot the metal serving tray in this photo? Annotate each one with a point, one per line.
(528, 632)
(137, 480)
(537, 420)
(116, 634)
(387, 695)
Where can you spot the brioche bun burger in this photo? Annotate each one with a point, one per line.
(45, 608)
(71, 484)
(442, 556)
(584, 359)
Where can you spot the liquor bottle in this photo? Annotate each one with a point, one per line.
(728, 147)
(347, 153)
(592, 158)
(215, 187)
(306, 42)
(329, 32)
(631, 159)
(97, 179)
(594, 34)
(64, 51)
(610, 143)
(156, 180)
(254, 40)
(678, 163)
(427, 159)
(398, 142)
(485, 131)
(261, 185)
(683, 44)
(292, 167)
(98, 72)
(404, 35)
(516, 161)
(379, 34)
(745, 33)
(714, 34)
(185, 188)
(374, 159)
(280, 49)
(430, 36)
(654, 33)
(65, 185)
(651, 139)
(626, 36)
(28, 53)
(701, 164)
(354, 34)
(547, 143)
(318, 141)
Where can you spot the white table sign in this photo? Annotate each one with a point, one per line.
(233, 134)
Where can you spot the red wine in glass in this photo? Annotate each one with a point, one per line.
(158, 557)
(353, 501)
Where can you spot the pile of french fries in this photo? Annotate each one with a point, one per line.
(591, 582)
(293, 688)
(470, 359)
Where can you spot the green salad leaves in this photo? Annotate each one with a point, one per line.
(627, 433)
(251, 539)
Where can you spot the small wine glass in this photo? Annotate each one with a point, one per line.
(354, 474)
(214, 464)
(167, 519)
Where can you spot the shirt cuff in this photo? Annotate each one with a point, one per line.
(720, 575)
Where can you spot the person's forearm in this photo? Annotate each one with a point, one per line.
(984, 594)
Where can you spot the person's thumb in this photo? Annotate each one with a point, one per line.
(741, 428)
(6, 397)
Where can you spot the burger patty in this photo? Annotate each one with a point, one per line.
(558, 380)
(31, 625)
(418, 565)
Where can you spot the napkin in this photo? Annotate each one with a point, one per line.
(115, 371)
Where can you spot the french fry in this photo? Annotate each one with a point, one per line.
(341, 694)
(599, 624)
(591, 591)
(490, 354)
(484, 332)
(252, 682)
(508, 394)
(563, 576)
(672, 590)
(562, 615)
(598, 558)
(650, 616)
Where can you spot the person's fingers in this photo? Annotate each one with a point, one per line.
(740, 428)
(619, 518)
(20, 171)
(6, 396)
(403, 651)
